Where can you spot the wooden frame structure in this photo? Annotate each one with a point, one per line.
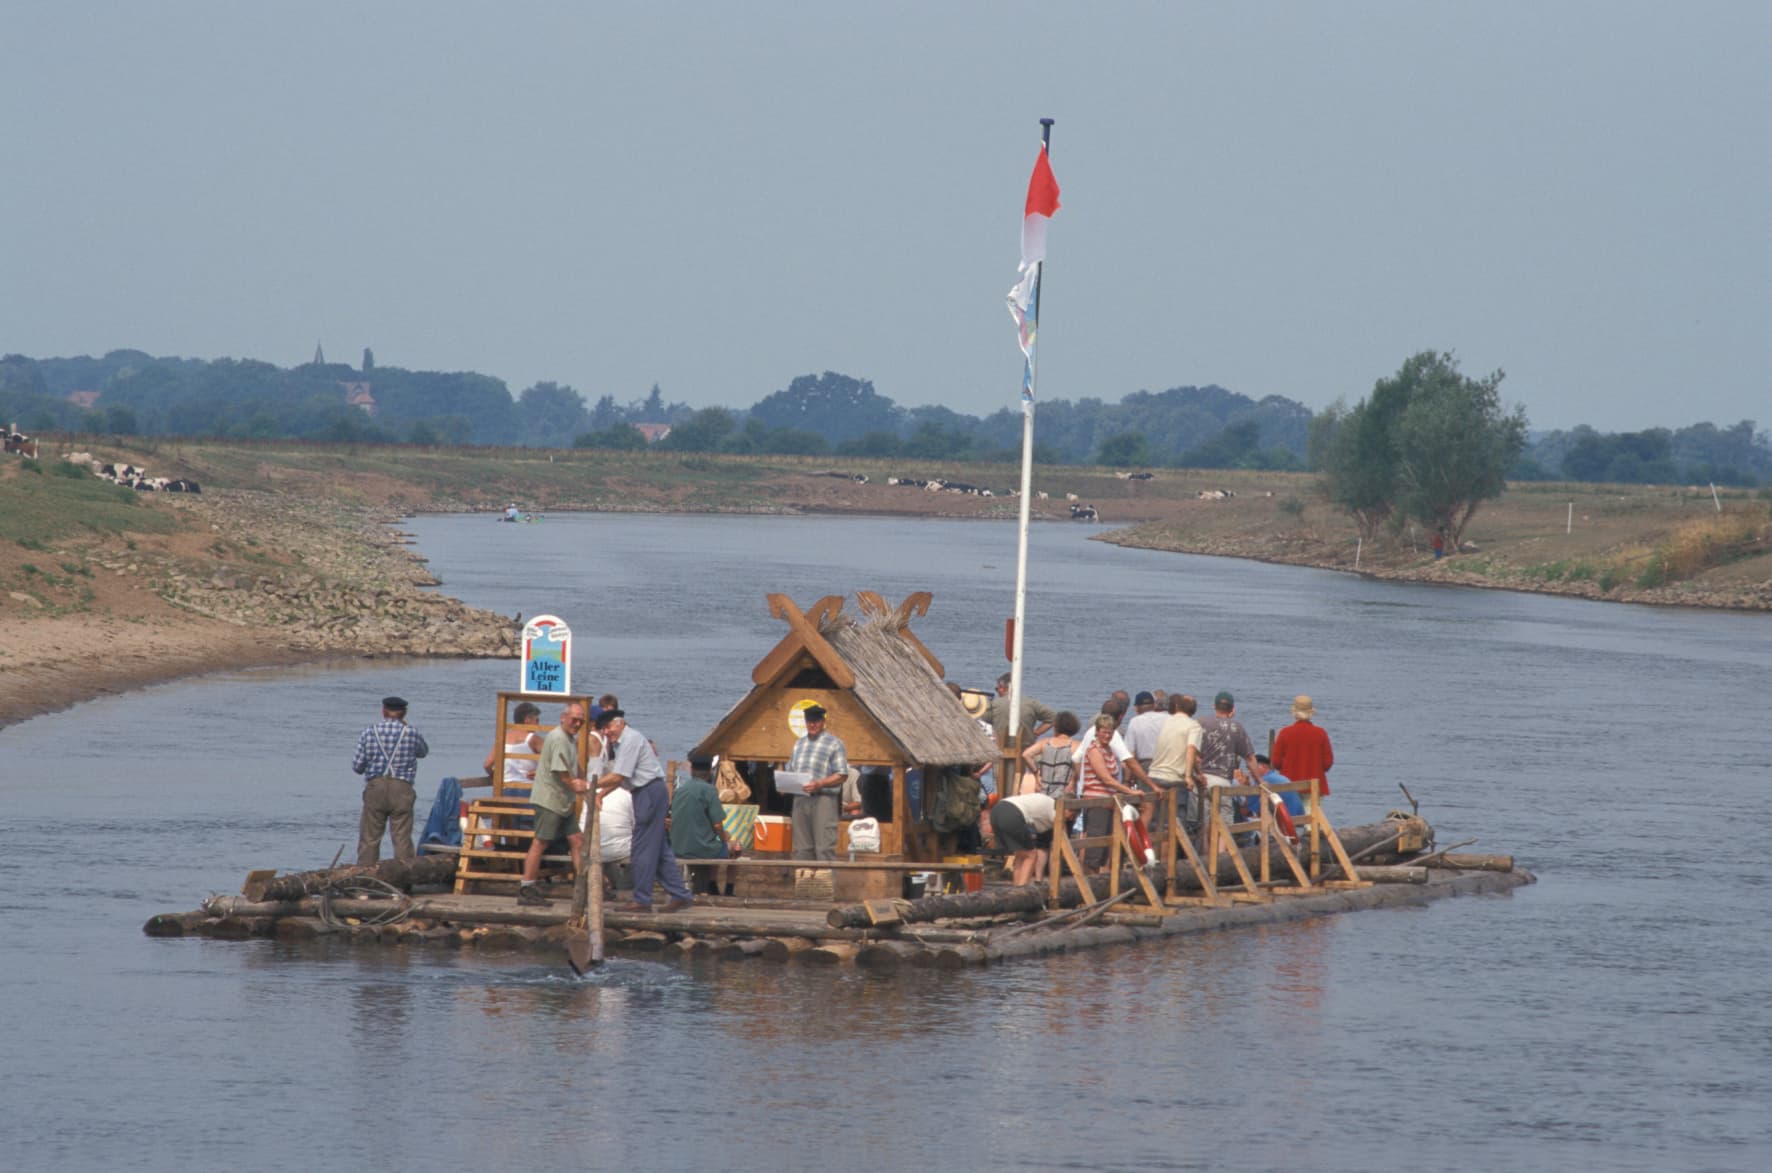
(883, 692)
(504, 822)
(1174, 846)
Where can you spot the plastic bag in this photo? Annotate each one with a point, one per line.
(864, 835)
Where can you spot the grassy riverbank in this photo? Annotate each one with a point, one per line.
(1623, 543)
(289, 552)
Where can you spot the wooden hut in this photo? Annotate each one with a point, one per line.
(884, 695)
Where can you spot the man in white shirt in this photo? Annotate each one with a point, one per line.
(1142, 729)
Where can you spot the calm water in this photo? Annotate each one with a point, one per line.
(1614, 1016)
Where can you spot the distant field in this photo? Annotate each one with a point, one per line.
(1657, 543)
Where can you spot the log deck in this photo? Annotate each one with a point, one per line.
(721, 928)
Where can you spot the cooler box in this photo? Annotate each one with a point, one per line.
(774, 834)
(741, 824)
(973, 881)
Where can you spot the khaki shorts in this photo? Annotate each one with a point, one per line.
(552, 825)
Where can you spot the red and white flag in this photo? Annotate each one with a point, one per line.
(1042, 204)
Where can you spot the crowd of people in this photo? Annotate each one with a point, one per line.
(1149, 743)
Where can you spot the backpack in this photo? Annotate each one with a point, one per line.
(958, 801)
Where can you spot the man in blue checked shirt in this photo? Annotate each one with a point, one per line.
(822, 755)
(387, 754)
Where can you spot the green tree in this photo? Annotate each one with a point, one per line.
(835, 406)
(551, 413)
(1441, 444)
(1124, 450)
(1453, 443)
(1320, 437)
(1362, 465)
(606, 414)
(701, 432)
(617, 437)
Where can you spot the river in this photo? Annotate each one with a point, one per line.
(1614, 1016)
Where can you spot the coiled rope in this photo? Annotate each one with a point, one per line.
(363, 887)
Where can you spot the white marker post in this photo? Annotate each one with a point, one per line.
(1714, 498)
(1570, 528)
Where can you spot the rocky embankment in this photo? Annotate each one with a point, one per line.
(319, 577)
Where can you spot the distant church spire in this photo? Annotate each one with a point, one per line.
(319, 356)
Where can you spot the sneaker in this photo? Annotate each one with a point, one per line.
(528, 897)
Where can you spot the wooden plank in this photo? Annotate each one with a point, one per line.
(1206, 876)
(1216, 834)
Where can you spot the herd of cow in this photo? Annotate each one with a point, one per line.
(1079, 511)
(131, 477)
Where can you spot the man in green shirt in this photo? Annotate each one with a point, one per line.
(557, 780)
(1036, 716)
(698, 823)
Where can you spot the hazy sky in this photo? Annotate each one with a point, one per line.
(1281, 198)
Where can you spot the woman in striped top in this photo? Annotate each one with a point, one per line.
(1099, 777)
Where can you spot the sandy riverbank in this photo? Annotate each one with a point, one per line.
(230, 579)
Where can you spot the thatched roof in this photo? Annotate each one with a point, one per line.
(885, 670)
(903, 693)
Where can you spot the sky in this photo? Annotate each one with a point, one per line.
(1281, 198)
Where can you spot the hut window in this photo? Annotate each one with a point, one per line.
(811, 677)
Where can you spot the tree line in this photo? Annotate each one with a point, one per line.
(838, 415)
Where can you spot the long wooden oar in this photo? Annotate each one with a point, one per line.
(584, 928)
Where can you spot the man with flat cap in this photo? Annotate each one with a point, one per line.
(387, 755)
(821, 755)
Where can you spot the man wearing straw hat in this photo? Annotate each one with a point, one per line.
(1302, 751)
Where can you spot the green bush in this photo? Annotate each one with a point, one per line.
(1291, 507)
(1608, 579)
(74, 472)
(32, 544)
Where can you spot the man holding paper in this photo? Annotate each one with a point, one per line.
(822, 756)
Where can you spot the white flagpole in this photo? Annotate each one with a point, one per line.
(1027, 493)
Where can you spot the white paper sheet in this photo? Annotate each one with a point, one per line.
(792, 781)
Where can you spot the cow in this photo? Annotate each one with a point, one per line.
(1084, 513)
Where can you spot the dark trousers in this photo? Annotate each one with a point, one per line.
(651, 856)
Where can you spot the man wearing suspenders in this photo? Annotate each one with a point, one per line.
(387, 755)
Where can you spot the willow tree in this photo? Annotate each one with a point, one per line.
(1429, 443)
